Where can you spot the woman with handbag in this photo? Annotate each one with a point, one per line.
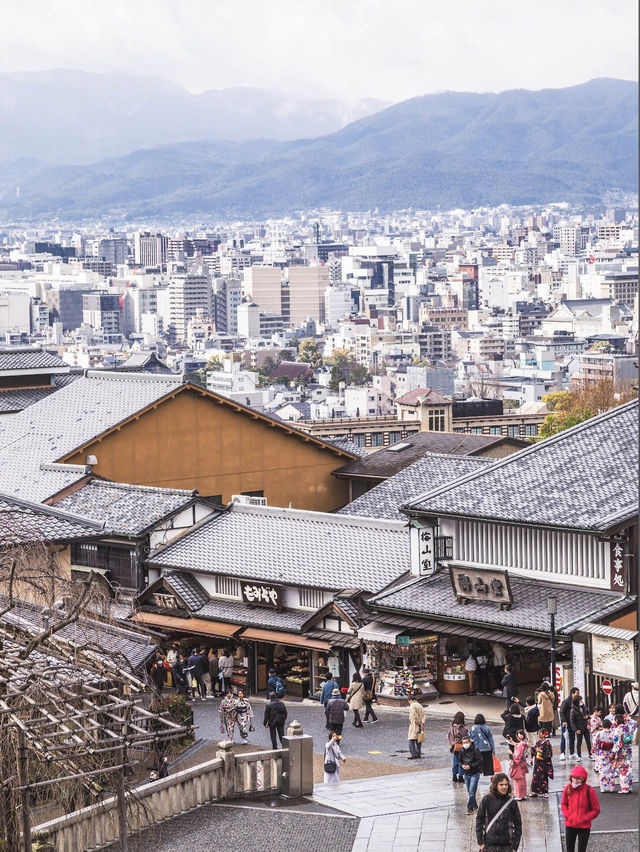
(227, 715)
(482, 738)
(244, 716)
(416, 728)
(355, 699)
(498, 821)
(332, 758)
(457, 729)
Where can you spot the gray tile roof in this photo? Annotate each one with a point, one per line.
(427, 473)
(585, 477)
(434, 596)
(189, 589)
(16, 400)
(125, 509)
(384, 463)
(233, 612)
(115, 642)
(23, 358)
(48, 430)
(291, 546)
(346, 444)
(22, 521)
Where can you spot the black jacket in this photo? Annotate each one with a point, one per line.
(531, 723)
(512, 724)
(506, 830)
(577, 721)
(509, 687)
(565, 710)
(472, 758)
(275, 713)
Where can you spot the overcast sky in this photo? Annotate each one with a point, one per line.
(340, 48)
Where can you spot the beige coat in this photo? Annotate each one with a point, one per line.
(416, 720)
(355, 696)
(545, 705)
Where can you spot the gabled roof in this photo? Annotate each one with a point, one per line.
(385, 463)
(418, 396)
(292, 547)
(429, 472)
(434, 596)
(84, 410)
(585, 478)
(22, 521)
(29, 358)
(291, 370)
(125, 509)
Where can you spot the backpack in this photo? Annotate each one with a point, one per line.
(280, 688)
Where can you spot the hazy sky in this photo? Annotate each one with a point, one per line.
(344, 48)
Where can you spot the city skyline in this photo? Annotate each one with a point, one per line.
(329, 50)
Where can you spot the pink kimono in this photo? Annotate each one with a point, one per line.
(519, 770)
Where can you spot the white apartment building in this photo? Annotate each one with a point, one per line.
(188, 292)
(149, 249)
(337, 305)
(263, 285)
(307, 286)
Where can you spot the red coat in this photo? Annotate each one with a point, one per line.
(581, 806)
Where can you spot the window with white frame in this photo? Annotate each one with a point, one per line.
(311, 598)
(228, 586)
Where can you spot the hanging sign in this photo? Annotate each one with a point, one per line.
(260, 595)
(578, 667)
(618, 573)
(422, 549)
(473, 584)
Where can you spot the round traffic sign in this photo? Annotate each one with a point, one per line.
(607, 687)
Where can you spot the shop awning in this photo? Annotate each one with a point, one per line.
(285, 639)
(335, 639)
(376, 631)
(187, 625)
(607, 631)
(400, 623)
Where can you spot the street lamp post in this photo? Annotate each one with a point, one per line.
(552, 609)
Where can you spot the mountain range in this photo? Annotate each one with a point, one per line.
(451, 149)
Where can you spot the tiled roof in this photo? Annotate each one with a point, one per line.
(125, 509)
(22, 358)
(427, 473)
(294, 547)
(346, 444)
(233, 612)
(64, 420)
(188, 588)
(384, 463)
(116, 642)
(434, 596)
(22, 521)
(16, 400)
(291, 370)
(585, 477)
(418, 395)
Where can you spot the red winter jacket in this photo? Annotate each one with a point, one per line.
(579, 806)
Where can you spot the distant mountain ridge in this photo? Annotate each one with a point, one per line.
(451, 149)
(63, 116)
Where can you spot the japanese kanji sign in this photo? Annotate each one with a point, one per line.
(422, 544)
(618, 572)
(261, 595)
(473, 584)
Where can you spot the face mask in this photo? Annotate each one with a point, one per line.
(466, 745)
(575, 783)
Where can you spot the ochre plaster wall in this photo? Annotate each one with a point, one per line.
(191, 441)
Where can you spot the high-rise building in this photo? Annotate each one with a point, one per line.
(307, 286)
(150, 249)
(188, 292)
(263, 285)
(102, 311)
(226, 298)
(113, 251)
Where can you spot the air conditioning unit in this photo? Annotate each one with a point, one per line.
(245, 500)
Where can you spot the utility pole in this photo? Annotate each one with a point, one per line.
(23, 780)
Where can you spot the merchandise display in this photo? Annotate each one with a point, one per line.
(406, 669)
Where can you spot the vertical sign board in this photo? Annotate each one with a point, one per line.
(617, 569)
(579, 678)
(422, 545)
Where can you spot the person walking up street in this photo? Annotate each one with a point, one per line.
(482, 738)
(214, 671)
(513, 722)
(567, 734)
(542, 765)
(332, 757)
(369, 684)
(546, 698)
(471, 765)
(227, 715)
(579, 723)
(355, 699)
(244, 716)
(158, 674)
(275, 715)
(509, 686)
(602, 743)
(275, 684)
(337, 709)
(415, 736)
(498, 821)
(196, 670)
(622, 752)
(225, 670)
(519, 769)
(580, 806)
(457, 730)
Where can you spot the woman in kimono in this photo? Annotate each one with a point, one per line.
(621, 752)
(595, 725)
(227, 715)
(519, 768)
(602, 742)
(542, 765)
(244, 716)
(333, 755)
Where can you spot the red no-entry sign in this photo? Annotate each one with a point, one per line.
(607, 687)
